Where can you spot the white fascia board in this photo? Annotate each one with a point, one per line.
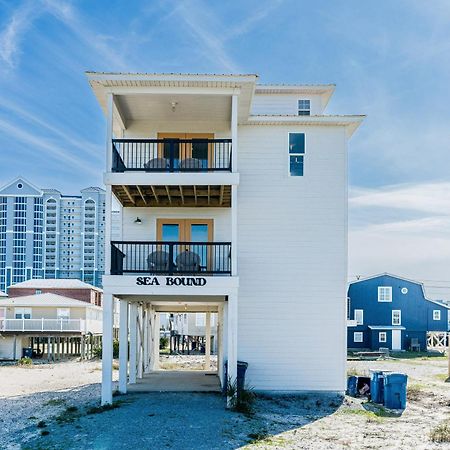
(170, 179)
(170, 90)
(127, 285)
(99, 77)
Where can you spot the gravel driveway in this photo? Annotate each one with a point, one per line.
(200, 421)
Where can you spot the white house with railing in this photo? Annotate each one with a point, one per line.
(44, 315)
(234, 201)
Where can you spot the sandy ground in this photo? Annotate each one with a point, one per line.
(199, 421)
(181, 362)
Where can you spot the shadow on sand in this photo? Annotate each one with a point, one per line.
(158, 420)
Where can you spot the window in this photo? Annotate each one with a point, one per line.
(384, 293)
(63, 313)
(357, 336)
(304, 107)
(200, 319)
(296, 154)
(396, 317)
(436, 314)
(382, 337)
(38, 291)
(359, 316)
(22, 313)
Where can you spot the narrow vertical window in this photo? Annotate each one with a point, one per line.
(359, 316)
(396, 317)
(304, 107)
(296, 154)
(382, 337)
(436, 314)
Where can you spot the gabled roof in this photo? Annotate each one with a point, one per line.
(55, 283)
(93, 189)
(48, 299)
(32, 189)
(386, 274)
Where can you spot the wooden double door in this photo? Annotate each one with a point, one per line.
(186, 231)
(196, 149)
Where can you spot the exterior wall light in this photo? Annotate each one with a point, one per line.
(138, 221)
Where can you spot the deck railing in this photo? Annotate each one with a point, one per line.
(169, 258)
(51, 325)
(171, 155)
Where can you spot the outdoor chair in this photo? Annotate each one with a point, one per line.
(188, 262)
(158, 261)
(191, 163)
(157, 163)
(414, 345)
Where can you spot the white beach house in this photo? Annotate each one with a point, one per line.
(234, 201)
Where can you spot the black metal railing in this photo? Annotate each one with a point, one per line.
(169, 258)
(171, 155)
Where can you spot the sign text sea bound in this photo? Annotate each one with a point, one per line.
(171, 281)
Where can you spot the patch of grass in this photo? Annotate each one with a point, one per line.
(417, 355)
(415, 392)
(55, 402)
(45, 433)
(441, 376)
(103, 408)
(25, 361)
(441, 433)
(352, 371)
(265, 440)
(41, 424)
(369, 415)
(68, 415)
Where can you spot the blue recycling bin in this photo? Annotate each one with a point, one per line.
(352, 386)
(395, 390)
(377, 385)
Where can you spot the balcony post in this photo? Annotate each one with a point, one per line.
(133, 342)
(42, 327)
(107, 244)
(234, 132)
(23, 323)
(109, 130)
(208, 341)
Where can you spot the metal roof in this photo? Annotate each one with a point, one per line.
(55, 283)
(47, 299)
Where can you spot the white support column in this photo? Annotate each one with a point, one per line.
(208, 341)
(107, 245)
(234, 132)
(156, 336)
(107, 349)
(220, 353)
(234, 231)
(123, 346)
(146, 341)
(232, 338)
(133, 342)
(140, 343)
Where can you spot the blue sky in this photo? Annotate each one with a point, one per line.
(389, 60)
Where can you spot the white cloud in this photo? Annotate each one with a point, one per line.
(415, 245)
(11, 35)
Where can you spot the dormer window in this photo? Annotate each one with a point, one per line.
(304, 107)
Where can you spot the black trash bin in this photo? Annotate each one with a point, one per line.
(27, 352)
(241, 369)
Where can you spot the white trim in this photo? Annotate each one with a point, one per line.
(384, 335)
(361, 320)
(394, 312)
(389, 297)
(358, 336)
(438, 311)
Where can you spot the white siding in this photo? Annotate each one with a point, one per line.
(146, 231)
(284, 104)
(292, 255)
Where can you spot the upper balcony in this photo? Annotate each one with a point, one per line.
(171, 155)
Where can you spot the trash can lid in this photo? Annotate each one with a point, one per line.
(396, 377)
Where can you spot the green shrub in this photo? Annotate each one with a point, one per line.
(163, 342)
(98, 350)
(441, 433)
(242, 400)
(25, 361)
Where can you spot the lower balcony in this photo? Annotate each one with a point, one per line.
(171, 258)
(51, 325)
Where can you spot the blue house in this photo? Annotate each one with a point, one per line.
(392, 312)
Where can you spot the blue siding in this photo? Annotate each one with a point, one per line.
(416, 312)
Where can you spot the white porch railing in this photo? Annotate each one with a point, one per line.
(54, 325)
(437, 340)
